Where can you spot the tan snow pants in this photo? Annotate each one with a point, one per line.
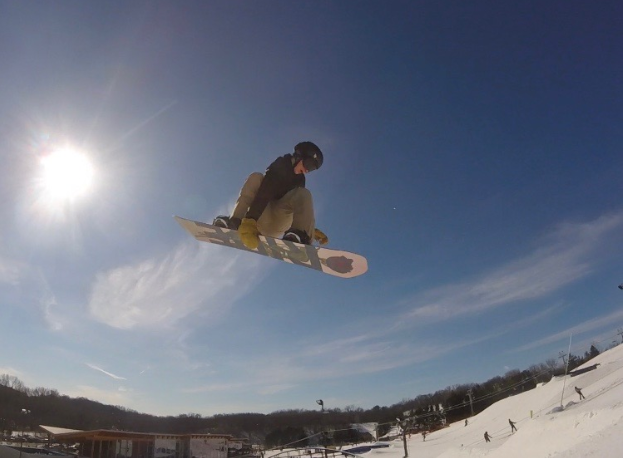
(294, 210)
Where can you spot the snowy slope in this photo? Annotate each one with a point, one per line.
(592, 427)
(589, 428)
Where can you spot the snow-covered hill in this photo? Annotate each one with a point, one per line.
(551, 421)
(591, 427)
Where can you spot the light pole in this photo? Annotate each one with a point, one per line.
(25, 412)
(403, 425)
(320, 402)
(323, 438)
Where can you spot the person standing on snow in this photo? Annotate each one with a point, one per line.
(487, 437)
(513, 428)
(579, 391)
(277, 202)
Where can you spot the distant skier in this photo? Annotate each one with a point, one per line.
(466, 422)
(423, 436)
(512, 423)
(579, 391)
(277, 202)
(487, 437)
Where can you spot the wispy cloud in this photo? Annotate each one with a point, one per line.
(158, 292)
(37, 294)
(380, 349)
(11, 371)
(47, 303)
(218, 386)
(110, 374)
(277, 388)
(570, 252)
(331, 360)
(582, 328)
(565, 255)
(10, 271)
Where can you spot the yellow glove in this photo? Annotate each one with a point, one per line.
(321, 237)
(248, 233)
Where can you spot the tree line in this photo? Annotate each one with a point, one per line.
(23, 408)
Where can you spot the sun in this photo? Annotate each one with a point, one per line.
(66, 174)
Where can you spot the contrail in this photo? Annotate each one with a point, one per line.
(94, 367)
(141, 124)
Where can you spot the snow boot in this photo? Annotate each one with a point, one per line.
(226, 222)
(297, 236)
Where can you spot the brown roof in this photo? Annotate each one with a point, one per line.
(105, 434)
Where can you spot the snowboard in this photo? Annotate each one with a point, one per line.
(333, 262)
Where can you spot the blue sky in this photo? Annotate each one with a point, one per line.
(472, 154)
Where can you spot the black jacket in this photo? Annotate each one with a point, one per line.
(278, 180)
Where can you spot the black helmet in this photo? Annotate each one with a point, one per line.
(310, 154)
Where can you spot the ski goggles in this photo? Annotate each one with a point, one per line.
(310, 164)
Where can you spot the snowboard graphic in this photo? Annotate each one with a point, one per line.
(333, 262)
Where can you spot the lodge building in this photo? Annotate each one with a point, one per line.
(125, 444)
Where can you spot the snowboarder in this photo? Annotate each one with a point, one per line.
(277, 202)
(487, 437)
(579, 391)
(512, 423)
